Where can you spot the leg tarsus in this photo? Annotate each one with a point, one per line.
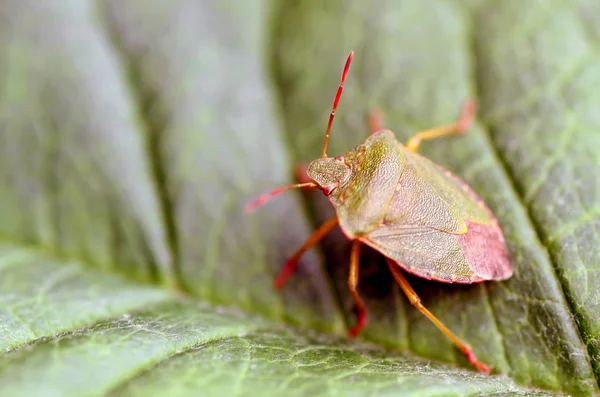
(313, 239)
(361, 322)
(459, 127)
(476, 363)
(290, 267)
(416, 302)
(361, 316)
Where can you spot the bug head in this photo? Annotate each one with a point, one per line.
(328, 173)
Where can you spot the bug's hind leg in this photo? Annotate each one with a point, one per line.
(361, 317)
(416, 302)
(292, 263)
(459, 127)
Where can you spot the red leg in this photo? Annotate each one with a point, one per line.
(416, 302)
(361, 317)
(292, 263)
(375, 123)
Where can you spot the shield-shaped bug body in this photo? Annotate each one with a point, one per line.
(420, 216)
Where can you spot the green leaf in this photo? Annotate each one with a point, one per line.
(132, 132)
(73, 331)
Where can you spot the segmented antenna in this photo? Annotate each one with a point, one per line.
(336, 101)
(267, 196)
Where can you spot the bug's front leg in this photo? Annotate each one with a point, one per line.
(361, 317)
(292, 263)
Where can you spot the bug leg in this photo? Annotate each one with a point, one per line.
(375, 123)
(292, 262)
(459, 127)
(361, 317)
(416, 301)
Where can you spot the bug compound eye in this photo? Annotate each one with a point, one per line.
(340, 158)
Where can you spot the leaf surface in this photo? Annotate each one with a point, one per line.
(133, 132)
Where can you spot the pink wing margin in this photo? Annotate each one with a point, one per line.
(483, 247)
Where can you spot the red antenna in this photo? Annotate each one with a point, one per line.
(267, 196)
(336, 101)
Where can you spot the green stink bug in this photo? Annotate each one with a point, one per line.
(419, 215)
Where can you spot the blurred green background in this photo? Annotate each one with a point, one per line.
(133, 132)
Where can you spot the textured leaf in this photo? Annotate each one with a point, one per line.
(81, 332)
(132, 132)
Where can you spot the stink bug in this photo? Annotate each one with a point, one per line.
(421, 217)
